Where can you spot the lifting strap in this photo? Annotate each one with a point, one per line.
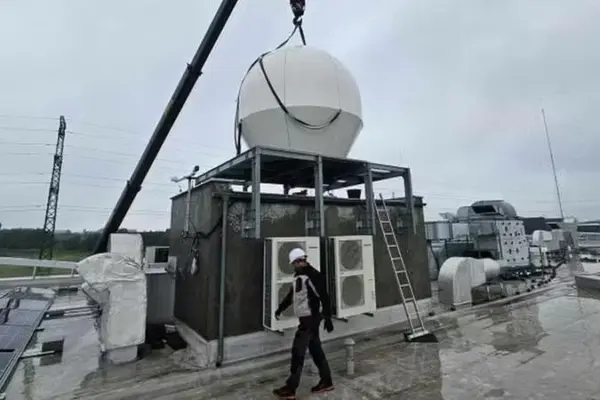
(298, 8)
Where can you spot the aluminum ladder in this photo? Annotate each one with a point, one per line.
(415, 322)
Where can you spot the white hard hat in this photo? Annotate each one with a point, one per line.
(296, 254)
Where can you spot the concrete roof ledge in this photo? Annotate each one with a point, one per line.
(586, 280)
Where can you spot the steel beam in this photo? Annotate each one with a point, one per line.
(295, 155)
(218, 170)
(410, 201)
(319, 203)
(370, 196)
(256, 179)
(388, 169)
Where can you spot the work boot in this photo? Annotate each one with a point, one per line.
(285, 393)
(322, 387)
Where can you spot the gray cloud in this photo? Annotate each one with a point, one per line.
(454, 90)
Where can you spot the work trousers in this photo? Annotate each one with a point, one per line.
(307, 337)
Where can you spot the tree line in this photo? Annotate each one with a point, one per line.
(68, 241)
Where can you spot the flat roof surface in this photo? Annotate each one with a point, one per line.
(540, 345)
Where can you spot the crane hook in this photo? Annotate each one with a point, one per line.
(298, 7)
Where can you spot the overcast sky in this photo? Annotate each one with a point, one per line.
(452, 89)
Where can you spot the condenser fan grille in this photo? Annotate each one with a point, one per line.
(283, 290)
(350, 253)
(352, 291)
(282, 256)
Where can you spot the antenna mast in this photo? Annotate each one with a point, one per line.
(47, 247)
(560, 207)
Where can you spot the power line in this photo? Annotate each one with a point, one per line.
(96, 212)
(40, 206)
(89, 177)
(71, 146)
(81, 185)
(426, 195)
(193, 143)
(31, 117)
(171, 168)
(22, 129)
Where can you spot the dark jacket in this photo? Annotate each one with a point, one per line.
(308, 295)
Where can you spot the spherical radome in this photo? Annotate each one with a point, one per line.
(314, 86)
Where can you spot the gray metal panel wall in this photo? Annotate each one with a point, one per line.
(161, 298)
(197, 296)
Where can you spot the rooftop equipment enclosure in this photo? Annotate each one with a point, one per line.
(243, 219)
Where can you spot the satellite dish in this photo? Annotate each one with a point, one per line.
(320, 108)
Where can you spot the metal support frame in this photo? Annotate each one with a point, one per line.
(222, 283)
(369, 194)
(410, 201)
(255, 205)
(248, 167)
(319, 203)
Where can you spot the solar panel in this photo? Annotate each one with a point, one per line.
(5, 357)
(22, 317)
(12, 337)
(26, 304)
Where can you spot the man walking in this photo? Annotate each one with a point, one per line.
(310, 299)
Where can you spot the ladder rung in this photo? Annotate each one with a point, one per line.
(400, 271)
(411, 299)
(404, 285)
(396, 258)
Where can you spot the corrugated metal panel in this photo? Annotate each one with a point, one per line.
(161, 296)
(438, 230)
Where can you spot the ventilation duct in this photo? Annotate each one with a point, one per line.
(118, 285)
(495, 209)
(457, 277)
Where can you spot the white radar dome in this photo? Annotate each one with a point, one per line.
(324, 110)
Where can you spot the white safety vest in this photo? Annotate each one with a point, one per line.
(301, 304)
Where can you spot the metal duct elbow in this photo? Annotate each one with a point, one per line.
(491, 268)
(457, 277)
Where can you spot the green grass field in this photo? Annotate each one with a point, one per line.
(17, 271)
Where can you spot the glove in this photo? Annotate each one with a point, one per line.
(328, 325)
(277, 315)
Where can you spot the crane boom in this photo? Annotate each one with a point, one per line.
(174, 107)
